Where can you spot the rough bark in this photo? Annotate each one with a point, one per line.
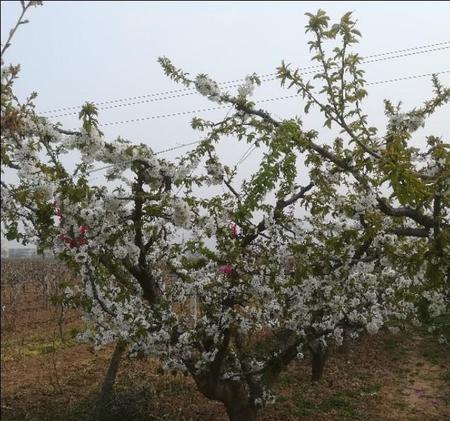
(319, 356)
(241, 411)
(110, 377)
(344, 349)
(232, 393)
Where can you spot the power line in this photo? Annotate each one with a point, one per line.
(156, 153)
(251, 149)
(241, 160)
(221, 107)
(193, 169)
(406, 78)
(366, 61)
(156, 117)
(177, 147)
(264, 78)
(246, 154)
(161, 96)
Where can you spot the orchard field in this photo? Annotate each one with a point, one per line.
(48, 375)
(312, 285)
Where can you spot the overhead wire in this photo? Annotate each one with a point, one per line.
(220, 107)
(177, 93)
(252, 147)
(275, 99)
(245, 155)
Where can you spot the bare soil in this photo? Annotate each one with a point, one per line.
(49, 376)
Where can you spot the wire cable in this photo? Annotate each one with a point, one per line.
(246, 154)
(221, 107)
(165, 95)
(264, 78)
(251, 149)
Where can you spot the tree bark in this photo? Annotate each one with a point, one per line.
(110, 378)
(232, 393)
(319, 356)
(241, 411)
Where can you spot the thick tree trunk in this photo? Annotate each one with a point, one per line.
(319, 356)
(344, 349)
(232, 393)
(110, 378)
(241, 411)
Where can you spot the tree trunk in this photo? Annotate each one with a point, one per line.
(319, 356)
(232, 393)
(110, 378)
(344, 349)
(241, 411)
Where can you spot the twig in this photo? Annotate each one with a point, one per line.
(19, 22)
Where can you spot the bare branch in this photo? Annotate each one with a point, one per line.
(414, 214)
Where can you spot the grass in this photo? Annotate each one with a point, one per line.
(127, 404)
(400, 404)
(371, 389)
(445, 377)
(304, 406)
(34, 347)
(431, 355)
(342, 403)
(143, 396)
(395, 346)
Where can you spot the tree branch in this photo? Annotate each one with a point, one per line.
(413, 214)
(13, 31)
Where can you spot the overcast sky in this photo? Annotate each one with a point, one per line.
(72, 52)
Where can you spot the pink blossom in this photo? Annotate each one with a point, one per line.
(58, 212)
(84, 229)
(227, 269)
(69, 240)
(73, 242)
(234, 230)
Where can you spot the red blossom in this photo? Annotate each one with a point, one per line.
(227, 269)
(84, 229)
(73, 242)
(65, 238)
(82, 241)
(234, 230)
(59, 214)
(69, 240)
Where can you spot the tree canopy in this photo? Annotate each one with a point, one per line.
(363, 217)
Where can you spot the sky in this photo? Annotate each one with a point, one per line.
(73, 52)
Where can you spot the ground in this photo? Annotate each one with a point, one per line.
(47, 375)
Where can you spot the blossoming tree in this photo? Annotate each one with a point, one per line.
(374, 248)
(368, 228)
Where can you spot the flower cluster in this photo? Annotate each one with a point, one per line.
(409, 122)
(207, 87)
(247, 88)
(216, 172)
(181, 213)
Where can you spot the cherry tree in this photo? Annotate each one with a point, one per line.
(374, 248)
(365, 219)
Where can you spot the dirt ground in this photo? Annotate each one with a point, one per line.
(47, 375)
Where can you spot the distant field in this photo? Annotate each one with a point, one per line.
(46, 375)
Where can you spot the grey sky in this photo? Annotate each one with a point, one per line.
(72, 52)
